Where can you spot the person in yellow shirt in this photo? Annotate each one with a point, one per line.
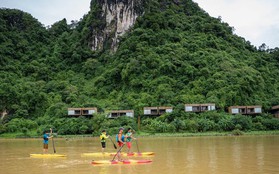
(103, 138)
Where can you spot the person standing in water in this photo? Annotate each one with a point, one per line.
(129, 137)
(46, 137)
(103, 138)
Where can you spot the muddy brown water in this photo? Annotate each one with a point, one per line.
(173, 155)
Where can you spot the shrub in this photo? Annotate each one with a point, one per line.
(226, 124)
(258, 126)
(17, 124)
(237, 132)
(192, 126)
(205, 125)
(271, 124)
(238, 127)
(179, 124)
(244, 121)
(83, 129)
(2, 128)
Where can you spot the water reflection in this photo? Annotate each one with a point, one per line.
(216, 155)
(212, 164)
(260, 156)
(236, 154)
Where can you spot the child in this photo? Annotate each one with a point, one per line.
(129, 138)
(46, 136)
(103, 138)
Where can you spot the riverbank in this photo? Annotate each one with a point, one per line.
(188, 134)
(146, 134)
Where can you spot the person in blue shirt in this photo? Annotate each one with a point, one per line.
(46, 136)
(120, 139)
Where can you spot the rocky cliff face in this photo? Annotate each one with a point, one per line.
(117, 16)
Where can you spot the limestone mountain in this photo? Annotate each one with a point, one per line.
(110, 19)
(176, 53)
(127, 54)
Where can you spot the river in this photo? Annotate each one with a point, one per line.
(177, 155)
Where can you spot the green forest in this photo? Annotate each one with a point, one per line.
(174, 54)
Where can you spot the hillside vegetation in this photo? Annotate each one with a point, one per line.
(175, 54)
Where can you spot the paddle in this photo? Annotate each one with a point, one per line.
(117, 152)
(137, 145)
(53, 143)
(113, 143)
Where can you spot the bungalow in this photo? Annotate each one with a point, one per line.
(119, 113)
(157, 110)
(207, 107)
(275, 111)
(82, 111)
(164, 109)
(150, 111)
(237, 109)
(199, 107)
(74, 111)
(88, 111)
(254, 110)
(245, 110)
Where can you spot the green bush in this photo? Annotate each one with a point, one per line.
(271, 124)
(258, 126)
(237, 132)
(153, 125)
(238, 127)
(2, 128)
(192, 126)
(244, 121)
(17, 124)
(24, 130)
(226, 124)
(179, 124)
(83, 129)
(205, 125)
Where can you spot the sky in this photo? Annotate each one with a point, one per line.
(255, 20)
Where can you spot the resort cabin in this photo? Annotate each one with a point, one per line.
(237, 109)
(88, 111)
(199, 107)
(245, 110)
(150, 111)
(254, 110)
(119, 113)
(81, 111)
(164, 109)
(154, 111)
(275, 111)
(74, 111)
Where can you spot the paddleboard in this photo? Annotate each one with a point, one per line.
(139, 154)
(47, 155)
(129, 161)
(122, 154)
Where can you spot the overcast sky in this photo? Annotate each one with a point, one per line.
(255, 20)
